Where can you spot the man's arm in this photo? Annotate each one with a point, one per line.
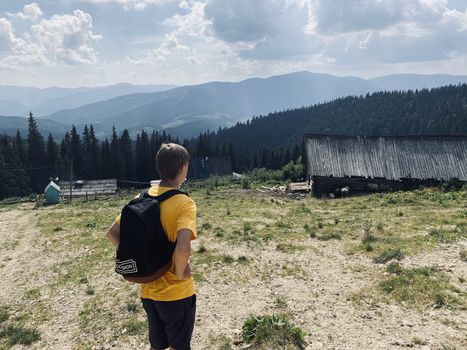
(113, 234)
(182, 254)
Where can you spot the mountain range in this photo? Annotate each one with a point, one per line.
(188, 110)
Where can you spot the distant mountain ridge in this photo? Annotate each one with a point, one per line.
(187, 110)
(17, 100)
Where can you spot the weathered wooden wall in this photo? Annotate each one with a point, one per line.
(421, 157)
(323, 185)
(89, 187)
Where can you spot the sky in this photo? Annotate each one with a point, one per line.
(72, 43)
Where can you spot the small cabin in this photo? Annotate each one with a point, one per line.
(52, 193)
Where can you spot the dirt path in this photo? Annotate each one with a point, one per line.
(17, 234)
(25, 276)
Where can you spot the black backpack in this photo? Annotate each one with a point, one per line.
(144, 253)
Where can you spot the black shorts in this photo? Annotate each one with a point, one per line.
(170, 323)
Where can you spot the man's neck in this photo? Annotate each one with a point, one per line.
(168, 183)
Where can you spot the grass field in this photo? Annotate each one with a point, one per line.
(371, 272)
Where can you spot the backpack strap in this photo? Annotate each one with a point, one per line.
(168, 194)
(163, 196)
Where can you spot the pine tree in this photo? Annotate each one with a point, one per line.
(13, 178)
(75, 153)
(106, 161)
(127, 153)
(94, 155)
(85, 152)
(52, 153)
(19, 148)
(36, 159)
(117, 159)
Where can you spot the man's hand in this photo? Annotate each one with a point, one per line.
(114, 234)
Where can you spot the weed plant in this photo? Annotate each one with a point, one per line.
(273, 332)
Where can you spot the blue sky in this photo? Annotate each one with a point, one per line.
(99, 42)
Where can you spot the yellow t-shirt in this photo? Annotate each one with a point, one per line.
(177, 213)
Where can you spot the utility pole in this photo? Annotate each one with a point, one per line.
(71, 179)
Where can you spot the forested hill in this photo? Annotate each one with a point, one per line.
(439, 111)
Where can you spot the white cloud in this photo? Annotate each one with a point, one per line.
(15, 51)
(62, 39)
(188, 30)
(138, 5)
(68, 38)
(30, 12)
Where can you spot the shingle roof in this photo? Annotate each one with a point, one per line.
(391, 157)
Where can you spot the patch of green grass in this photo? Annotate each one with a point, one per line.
(242, 259)
(280, 303)
(220, 342)
(423, 287)
(34, 293)
(206, 226)
(289, 248)
(293, 270)
(4, 313)
(326, 236)
(227, 259)
(219, 232)
(394, 267)
(18, 334)
(283, 225)
(132, 307)
(387, 255)
(134, 327)
(273, 332)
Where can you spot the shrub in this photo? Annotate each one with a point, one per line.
(273, 332)
(394, 267)
(245, 183)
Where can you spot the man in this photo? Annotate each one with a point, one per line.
(170, 301)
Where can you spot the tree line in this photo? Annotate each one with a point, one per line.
(438, 111)
(27, 165)
(269, 142)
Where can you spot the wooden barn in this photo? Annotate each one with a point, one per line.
(89, 187)
(359, 164)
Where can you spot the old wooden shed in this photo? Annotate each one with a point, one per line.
(383, 163)
(89, 187)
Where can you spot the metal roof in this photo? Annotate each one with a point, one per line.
(391, 157)
(53, 185)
